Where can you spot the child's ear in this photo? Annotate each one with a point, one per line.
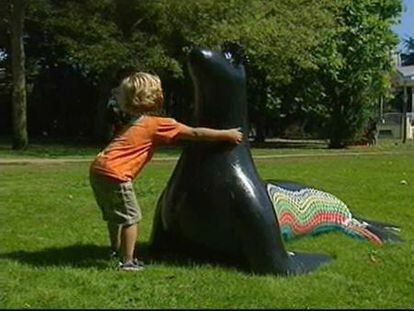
(159, 101)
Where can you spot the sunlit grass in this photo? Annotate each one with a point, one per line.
(270, 148)
(53, 243)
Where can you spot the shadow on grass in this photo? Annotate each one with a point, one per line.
(78, 255)
(93, 256)
(186, 256)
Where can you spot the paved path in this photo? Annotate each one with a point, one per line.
(162, 159)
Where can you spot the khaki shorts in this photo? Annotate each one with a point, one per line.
(117, 200)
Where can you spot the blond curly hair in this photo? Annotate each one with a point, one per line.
(140, 92)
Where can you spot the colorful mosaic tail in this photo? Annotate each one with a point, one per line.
(304, 211)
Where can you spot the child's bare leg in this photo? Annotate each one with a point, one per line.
(129, 236)
(114, 236)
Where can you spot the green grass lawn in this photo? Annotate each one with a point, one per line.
(283, 148)
(53, 243)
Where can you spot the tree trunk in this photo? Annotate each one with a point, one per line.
(102, 129)
(20, 139)
(338, 125)
(260, 129)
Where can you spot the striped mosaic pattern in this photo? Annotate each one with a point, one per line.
(309, 211)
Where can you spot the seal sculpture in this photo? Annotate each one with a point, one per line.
(215, 199)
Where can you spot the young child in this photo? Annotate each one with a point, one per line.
(114, 169)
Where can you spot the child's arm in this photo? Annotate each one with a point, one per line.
(206, 134)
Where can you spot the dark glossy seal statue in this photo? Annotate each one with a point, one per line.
(215, 200)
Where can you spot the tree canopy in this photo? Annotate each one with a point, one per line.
(317, 62)
(407, 56)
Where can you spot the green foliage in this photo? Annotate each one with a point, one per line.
(355, 65)
(4, 26)
(86, 35)
(321, 63)
(277, 37)
(408, 56)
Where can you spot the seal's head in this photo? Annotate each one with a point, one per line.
(220, 86)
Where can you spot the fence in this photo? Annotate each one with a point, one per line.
(391, 123)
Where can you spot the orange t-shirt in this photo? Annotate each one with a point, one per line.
(127, 154)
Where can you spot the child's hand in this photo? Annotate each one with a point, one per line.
(235, 135)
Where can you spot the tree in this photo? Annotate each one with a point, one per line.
(76, 50)
(95, 39)
(355, 65)
(306, 57)
(348, 71)
(20, 139)
(277, 37)
(407, 57)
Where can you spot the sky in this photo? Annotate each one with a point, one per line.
(405, 28)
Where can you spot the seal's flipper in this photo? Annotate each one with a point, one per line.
(301, 263)
(378, 224)
(383, 234)
(386, 232)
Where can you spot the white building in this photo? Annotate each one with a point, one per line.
(401, 125)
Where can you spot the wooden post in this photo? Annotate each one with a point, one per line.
(381, 112)
(404, 115)
(411, 125)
